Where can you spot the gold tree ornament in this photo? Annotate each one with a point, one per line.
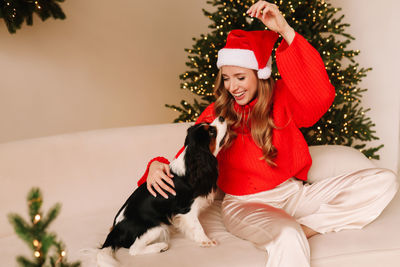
(39, 199)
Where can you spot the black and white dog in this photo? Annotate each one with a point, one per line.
(142, 222)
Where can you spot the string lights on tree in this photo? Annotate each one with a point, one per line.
(345, 123)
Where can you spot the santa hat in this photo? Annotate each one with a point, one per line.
(249, 49)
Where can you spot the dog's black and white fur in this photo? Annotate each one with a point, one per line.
(141, 225)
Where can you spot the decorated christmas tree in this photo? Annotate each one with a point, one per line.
(15, 12)
(47, 251)
(345, 123)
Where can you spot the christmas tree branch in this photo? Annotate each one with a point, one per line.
(35, 233)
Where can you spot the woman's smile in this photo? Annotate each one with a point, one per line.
(239, 96)
(241, 83)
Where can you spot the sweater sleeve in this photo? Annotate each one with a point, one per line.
(308, 91)
(208, 115)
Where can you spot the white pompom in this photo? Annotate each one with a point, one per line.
(264, 73)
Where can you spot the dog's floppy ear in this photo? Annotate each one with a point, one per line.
(201, 165)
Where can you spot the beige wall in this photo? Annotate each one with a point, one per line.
(109, 64)
(376, 29)
(116, 63)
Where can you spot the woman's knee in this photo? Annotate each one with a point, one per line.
(389, 178)
(291, 231)
(386, 184)
(259, 223)
(390, 186)
(285, 232)
(378, 182)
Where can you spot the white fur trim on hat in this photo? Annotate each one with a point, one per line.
(237, 57)
(264, 73)
(243, 58)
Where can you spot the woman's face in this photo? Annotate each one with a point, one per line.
(240, 82)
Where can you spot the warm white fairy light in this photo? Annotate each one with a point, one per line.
(37, 218)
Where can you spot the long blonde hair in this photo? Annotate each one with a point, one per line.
(260, 116)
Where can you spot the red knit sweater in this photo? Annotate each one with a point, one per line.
(301, 97)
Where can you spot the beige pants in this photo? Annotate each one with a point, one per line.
(271, 219)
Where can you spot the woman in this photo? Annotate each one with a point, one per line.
(264, 164)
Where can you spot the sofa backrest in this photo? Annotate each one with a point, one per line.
(94, 170)
(83, 171)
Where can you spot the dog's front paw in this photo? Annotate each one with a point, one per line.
(161, 247)
(208, 243)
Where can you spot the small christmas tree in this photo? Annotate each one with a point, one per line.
(36, 236)
(15, 12)
(345, 122)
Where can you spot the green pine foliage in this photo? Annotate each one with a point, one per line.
(34, 233)
(322, 25)
(15, 12)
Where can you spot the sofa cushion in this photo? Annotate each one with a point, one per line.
(333, 160)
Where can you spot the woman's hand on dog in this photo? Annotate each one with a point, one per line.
(159, 175)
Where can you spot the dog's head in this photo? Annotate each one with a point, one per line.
(203, 142)
(205, 136)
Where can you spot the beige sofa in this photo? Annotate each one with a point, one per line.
(92, 173)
